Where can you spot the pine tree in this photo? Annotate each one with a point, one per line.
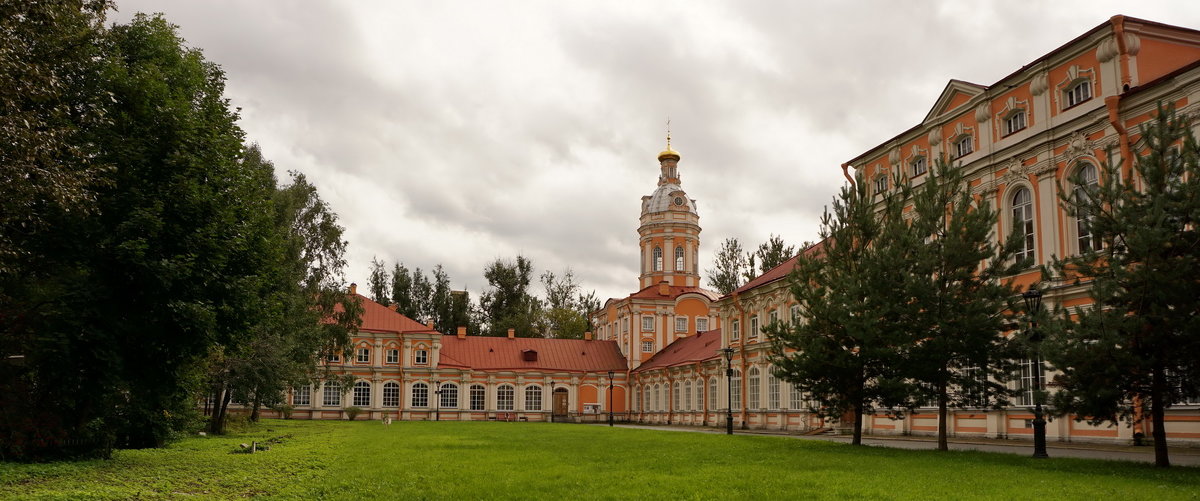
(1136, 346)
(958, 356)
(844, 353)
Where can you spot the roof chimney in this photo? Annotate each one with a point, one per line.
(462, 332)
(512, 333)
(353, 288)
(429, 324)
(587, 336)
(395, 307)
(664, 289)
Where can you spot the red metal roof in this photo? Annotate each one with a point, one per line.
(673, 291)
(779, 272)
(688, 350)
(379, 318)
(502, 353)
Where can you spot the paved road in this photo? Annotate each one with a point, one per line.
(1180, 456)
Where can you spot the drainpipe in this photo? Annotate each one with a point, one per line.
(846, 173)
(1118, 23)
(1114, 118)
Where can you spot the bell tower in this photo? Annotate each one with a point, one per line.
(669, 233)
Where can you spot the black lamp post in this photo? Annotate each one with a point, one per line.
(610, 388)
(551, 401)
(437, 398)
(728, 389)
(1033, 304)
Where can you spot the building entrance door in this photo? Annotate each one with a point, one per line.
(560, 402)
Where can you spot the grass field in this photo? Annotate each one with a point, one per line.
(424, 460)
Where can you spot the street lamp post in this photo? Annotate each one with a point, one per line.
(1033, 304)
(552, 401)
(610, 388)
(728, 389)
(437, 398)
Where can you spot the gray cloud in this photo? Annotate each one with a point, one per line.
(456, 133)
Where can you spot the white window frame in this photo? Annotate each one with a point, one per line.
(753, 334)
(1078, 93)
(795, 313)
(647, 323)
(421, 357)
(478, 397)
(701, 324)
(331, 395)
(753, 396)
(1024, 217)
(1085, 239)
(448, 398)
(1015, 122)
(736, 393)
(881, 184)
(964, 145)
(363, 356)
(1027, 380)
(773, 401)
(657, 261)
(687, 396)
(647, 346)
(681, 324)
(735, 329)
(393, 356)
(919, 166)
(302, 395)
(362, 394)
(391, 394)
(679, 258)
(505, 397)
(712, 393)
(420, 395)
(533, 397)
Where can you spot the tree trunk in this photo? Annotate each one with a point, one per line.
(858, 422)
(1158, 388)
(942, 444)
(254, 408)
(217, 423)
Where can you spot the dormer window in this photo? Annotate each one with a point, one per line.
(1079, 93)
(964, 146)
(881, 184)
(529, 355)
(1015, 122)
(919, 166)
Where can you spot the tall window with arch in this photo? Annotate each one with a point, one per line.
(687, 396)
(679, 258)
(449, 395)
(391, 394)
(1087, 178)
(658, 259)
(1022, 221)
(699, 395)
(675, 396)
(712, 394)
(736, 397)
(533, 398)
(504, 397)
(752, 379)
(362, 394)
(478, 397)
(420, 395)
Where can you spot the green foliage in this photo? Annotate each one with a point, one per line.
(378, 282)
(566, 311)
(770, 254)
(728, 267)
(352, 413)
(402, 291)
(508, 303)
(845, 352)
(956, 354)
(426, 460)
(1138, 342)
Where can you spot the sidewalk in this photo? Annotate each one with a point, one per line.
(1180, 456)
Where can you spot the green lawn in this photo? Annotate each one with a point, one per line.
(423, 460)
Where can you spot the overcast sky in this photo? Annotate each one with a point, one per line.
(459, 132)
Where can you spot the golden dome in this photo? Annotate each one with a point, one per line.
(668, 153)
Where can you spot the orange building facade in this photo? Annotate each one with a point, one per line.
(1021, 140)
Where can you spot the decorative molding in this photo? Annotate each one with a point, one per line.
(1133, 44)
(894, 156)
(983, 112)
(1040, 83)
(935, 136)
(1107, 50)
(1075, 73)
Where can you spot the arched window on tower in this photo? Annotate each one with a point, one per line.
(658, 259)
(679, 258)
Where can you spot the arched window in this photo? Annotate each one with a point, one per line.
(657, 398)
(679, 258)
(420, 395)
(1022, 220)
(658, 259)
(712, 394)
(1083, 221)
(699, 394)
(645, 398)
(478, 397)
(332, 394)
(504, 397)
(533, 398)
(362, 394)
(687, 396)
(391, 394)
(736, 398)
(752, 382)
(772, 391)
(675, 396)
(449, 395)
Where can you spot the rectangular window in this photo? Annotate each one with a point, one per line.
(773, 316)
(533, 398)
(422, 357)
(1028, 381)
(701, 324)
(796, 399)
(393, 356)
(420, 395)
(881, 184)
(753, 334)
(680, 324)
(919, 166)
(302, 395)
(647, 346)
(795, 313)
(964, 147)
(332, 396)
(477, 398)
(1079, 93)
(772, 391)
(1015, 122)
(364, 356)
(647, 322)
(735, 329)
(333, 358)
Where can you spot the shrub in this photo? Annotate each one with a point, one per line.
(353, 412)
(285, 410)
